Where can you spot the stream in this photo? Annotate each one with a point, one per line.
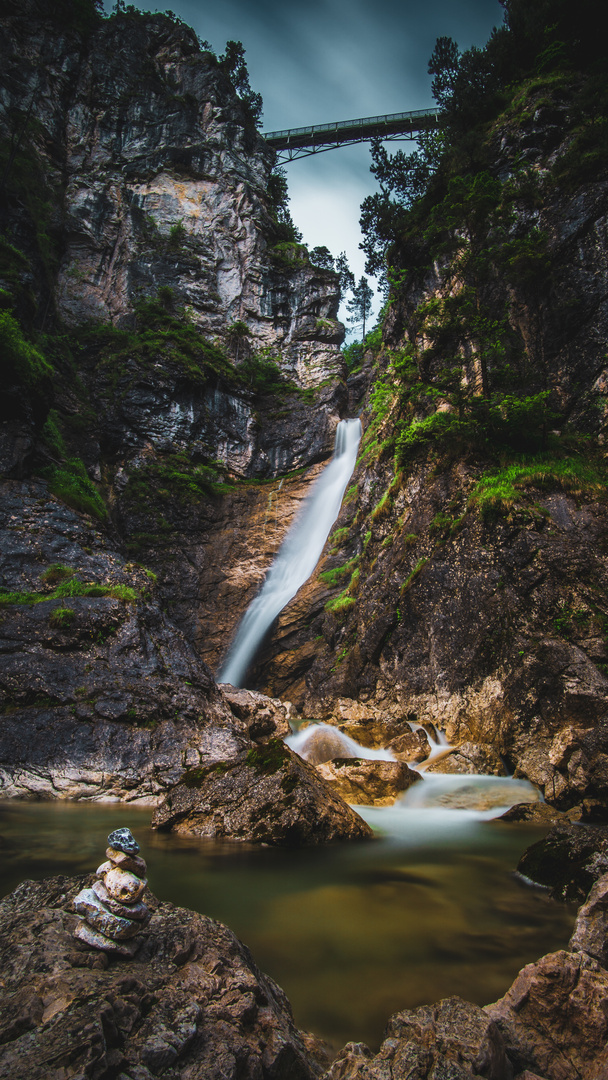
(352, 932)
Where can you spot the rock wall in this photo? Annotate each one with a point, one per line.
(160, 179)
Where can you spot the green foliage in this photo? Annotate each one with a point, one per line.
(62, 618)
(52, 435)
(338, 536)
(338, 573)
(232, 62)
(382, 508)
(419, 567)
(20, 361)
(172, 478)
(56, 573)
(500, 493)
(283, 230)
(177, 237)
(340, 604)
(289, 256)
(70, 588)
(70, 483)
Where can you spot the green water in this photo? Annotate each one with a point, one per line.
(351, 933)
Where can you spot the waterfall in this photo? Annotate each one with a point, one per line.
(298, 555)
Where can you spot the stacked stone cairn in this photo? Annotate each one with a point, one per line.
(112, 910)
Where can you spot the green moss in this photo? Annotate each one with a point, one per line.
(69, 588)
(70, 483)
(269, 758)
(499, 493)
(340, 604)
(19, 359)
(336, 576)
(62, 618)
(56, 573)
(419, 567)
(382, 508)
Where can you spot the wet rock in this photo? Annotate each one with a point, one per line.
(411, 746)
(123, 886)
(138, 911)
(264, 717)
(539, 813)
(553, 1019)
(96, 939)
(452, 1039)
(126, 862)
(99, 917)
(191, 1001)
(569, 860)
(470, 758)
(361, 781)
(271, 798)
(116, 704)
(123, 840)
(590, 933)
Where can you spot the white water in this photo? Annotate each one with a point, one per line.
(298, 555)
(352, 749)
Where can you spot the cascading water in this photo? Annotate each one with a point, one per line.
(298, 555)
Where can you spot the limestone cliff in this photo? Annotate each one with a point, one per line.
(463, 586)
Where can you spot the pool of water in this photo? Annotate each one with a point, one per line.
(353, 932)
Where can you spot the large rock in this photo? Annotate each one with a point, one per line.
(111, 702)
(190, 1004)
(470, 758)
(323, 744)
(265, 718)
(453, 1040)
(273, 797)
(590, 933)
(553, 1019)
(360, 781)
(569, 860)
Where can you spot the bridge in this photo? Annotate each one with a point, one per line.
(301, 142)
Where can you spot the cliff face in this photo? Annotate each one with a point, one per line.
(137, 230)
(480, 609)
(163, 181)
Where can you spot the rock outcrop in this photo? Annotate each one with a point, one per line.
(272, 797)
(191, 1002)
(376, 783)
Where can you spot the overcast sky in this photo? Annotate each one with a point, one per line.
(314, 61)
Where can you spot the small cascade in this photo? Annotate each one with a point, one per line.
(322, 742)
(298, 555)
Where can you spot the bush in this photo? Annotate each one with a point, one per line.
(70, 483)
(19, 359)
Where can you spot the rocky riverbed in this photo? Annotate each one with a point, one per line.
(192, 1003)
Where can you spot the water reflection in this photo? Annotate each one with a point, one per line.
(352, 933)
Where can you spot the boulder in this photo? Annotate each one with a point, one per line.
(271, 797)
(569, 860)
(411, 745)
(365, 782)
(191, 1003)
(539, 813)
(470, 758)
(590, 933)
(453, 1039)
(553, 1019)
(264, 717)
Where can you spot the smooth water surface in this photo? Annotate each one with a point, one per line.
(352, 933)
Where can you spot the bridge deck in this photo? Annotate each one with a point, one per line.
(298, 142)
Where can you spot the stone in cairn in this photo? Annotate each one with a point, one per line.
(112, 911)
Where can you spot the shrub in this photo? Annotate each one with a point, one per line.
(56, 573)
(70, 483)
(20, 360)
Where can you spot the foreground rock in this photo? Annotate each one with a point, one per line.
(272, 797)
(454, 1040)
(553, 1019)
(569, 860)
(375, 783)
(190, 1004)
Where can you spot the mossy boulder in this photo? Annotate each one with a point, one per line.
(269, 797)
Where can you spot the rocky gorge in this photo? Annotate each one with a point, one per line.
(173, 382)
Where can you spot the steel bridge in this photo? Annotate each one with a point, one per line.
(301, 142)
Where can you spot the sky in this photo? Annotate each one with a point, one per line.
(315, 61)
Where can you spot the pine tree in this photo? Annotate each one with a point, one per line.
(360, 304)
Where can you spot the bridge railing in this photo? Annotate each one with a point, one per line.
(340, 125)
